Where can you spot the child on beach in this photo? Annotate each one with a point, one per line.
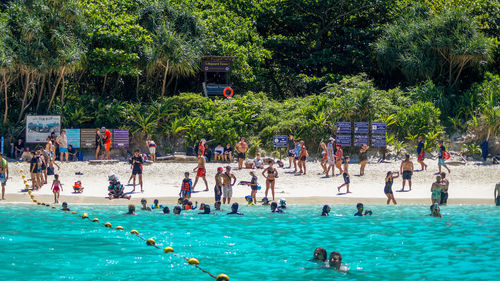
(265, 201)
(186, 187)
(253, 185)
(56, 188)
(201, 172)
(218, 184)
(347, 180)
(389, 180)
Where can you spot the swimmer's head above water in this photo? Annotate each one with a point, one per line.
(166, 210)
(325, 212)
(235, 207)
(335, 260)
(177, 210)
(319, 254)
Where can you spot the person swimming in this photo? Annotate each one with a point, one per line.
(319, 254)
(131, 210)
(282, 204)
(325, 213)
(202, 207)
(275, 209)
(234, 209)
(265, 201)
(206, 211)
(435, 211)
(360, 213)
(335, 260)
(180, 200)
(249, 200)
(65, 207)
(166, 210)
(177, 210)
(156, 205)
(144, 203)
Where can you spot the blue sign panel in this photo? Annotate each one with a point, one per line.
(378, 141)
(361, 127)
(344, 140)
(359, 140)
(344, 127)
(379, 128)
(280, 141)
(73, 136)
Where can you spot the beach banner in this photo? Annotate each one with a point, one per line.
(379, 128)
(120, 138)
(38, 128)
(361, 127)
(73, 136)
(280, 141)
(359, 140)
(379, 141)
(344, 140)
(344, 127)
(87, 138)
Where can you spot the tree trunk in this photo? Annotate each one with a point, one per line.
(137, 88)
(176, 80)
(164, 81)
(62, 96)
(104, 84)
(4, 79)
(55, 89)
(25, 96)
(40, 94)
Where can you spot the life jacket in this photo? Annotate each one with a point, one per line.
(186, 185)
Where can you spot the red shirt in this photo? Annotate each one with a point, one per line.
(107, 136)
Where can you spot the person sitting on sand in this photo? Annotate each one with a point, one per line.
(435, 211)
(335, 262)
(325, 213)
(166, 210)
(496, 194)
(406, 169)
(265, 201)
(186, 187)
(234, 210)
(201, 172)
(436, 188)
(360, 213)
(228, 153)
(206, 211)
(258, 163)
(65, 207)
(319, 254)
(144, 204)
(219, 152)
(177, 210)
(345, 174)
(389, 180)
(275, 209)
(115, 188)
(131, 210)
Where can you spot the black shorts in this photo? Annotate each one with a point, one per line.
(407, 175)
(291, 154)
(241, 155)
(254, 187)
(347, 180)
(136, 172)
(217, 196)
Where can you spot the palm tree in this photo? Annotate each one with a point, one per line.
(6, 63)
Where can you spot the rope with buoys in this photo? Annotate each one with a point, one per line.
(149, 241)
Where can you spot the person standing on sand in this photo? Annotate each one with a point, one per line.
(201, 171)
(338, 159)
(444, 191)
(330, 149)
(137, 162)
(302, 158)
(324, 157)
(296, 155)
(496, 194)
(62, 141)
(241, 149)
(442, 157)
(227, 185)
(272, 174)
(4, 174)
(291, 147)
(406, 169)
(363, 158)
(389, 180)
(98, 143)
(421, 153)
(345, 174)
(152, 149)
(107, 142)
(436, 188)
(218, 184)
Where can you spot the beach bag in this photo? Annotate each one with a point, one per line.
(50, 171)
(446, 155)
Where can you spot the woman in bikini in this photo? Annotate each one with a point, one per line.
(302, 157)
(324, 158)
(271, 176)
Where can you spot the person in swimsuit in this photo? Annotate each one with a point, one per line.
(330, 150)
(253, 185)
(206, 211)
(335, 262)
(389, 180)
(441, 157)
(241, 148)
(303, 157)
(56, 188)
(152, 149)
(290, 147)
(4, 174)
(186, 187)
(98, 143)
(435, 211)
(201, 171)
(319, 254)
(436, 188)
(496, 194)
(338, 159)
(227, 185)
(271, 176)
(275, 209)
(296, 153)
(324, 157)
(406, 169)
(265, 201)
(137, 162)
(444, 191)
(144, 204)
(363, 158)
(177, 210)
(131, 210)
(166, 210)
(325, 213)
(346, 176)
(65, 207)
(218, 184)
(421, 153)
(107, 142)
(228, 153)
(234, 210)
(360, 209)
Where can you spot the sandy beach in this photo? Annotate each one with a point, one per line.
(469, 184)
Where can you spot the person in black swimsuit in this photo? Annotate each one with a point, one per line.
(389, 180)
(272, 174)
(98, 143)
(363, 158)
(137, 162)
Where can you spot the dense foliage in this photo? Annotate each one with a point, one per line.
(300, 65)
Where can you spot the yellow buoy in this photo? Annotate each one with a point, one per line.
(107, 224)
(133, 231)
(32, 196)
(150, 242)
(222, 277)
(193, 261)
(119, 227)
(73, 212)
(95, 220)
(85, 216)
(38, 203)
(23, 176)
(29, 192)
(53, 207)
(27, 185)
(168, 250)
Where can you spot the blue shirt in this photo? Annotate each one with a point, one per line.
(441, 149)
(297, 150)
(420, 147)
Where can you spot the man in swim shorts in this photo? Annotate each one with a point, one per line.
(441, 157)
(4, 174)
(406, 169)
(137, 162)
(62, 141)
(107, 142)
(421, 153)
(496, 194)
(241, 149)
(345, 174)
(227, 185)
(218, 184)
(201, 171)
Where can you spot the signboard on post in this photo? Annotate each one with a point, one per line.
(379, 141)
(359, 140)
(73, 136)
(379, 128)
(361, 127)
(344, 140)
(344, 127)
(87, 138)
(120, 138)
(38, 128)
(280, 141)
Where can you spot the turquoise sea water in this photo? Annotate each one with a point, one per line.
(396, 243)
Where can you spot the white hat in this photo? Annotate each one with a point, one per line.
(332, 139)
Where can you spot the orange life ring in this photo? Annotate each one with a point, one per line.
(230, 90)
